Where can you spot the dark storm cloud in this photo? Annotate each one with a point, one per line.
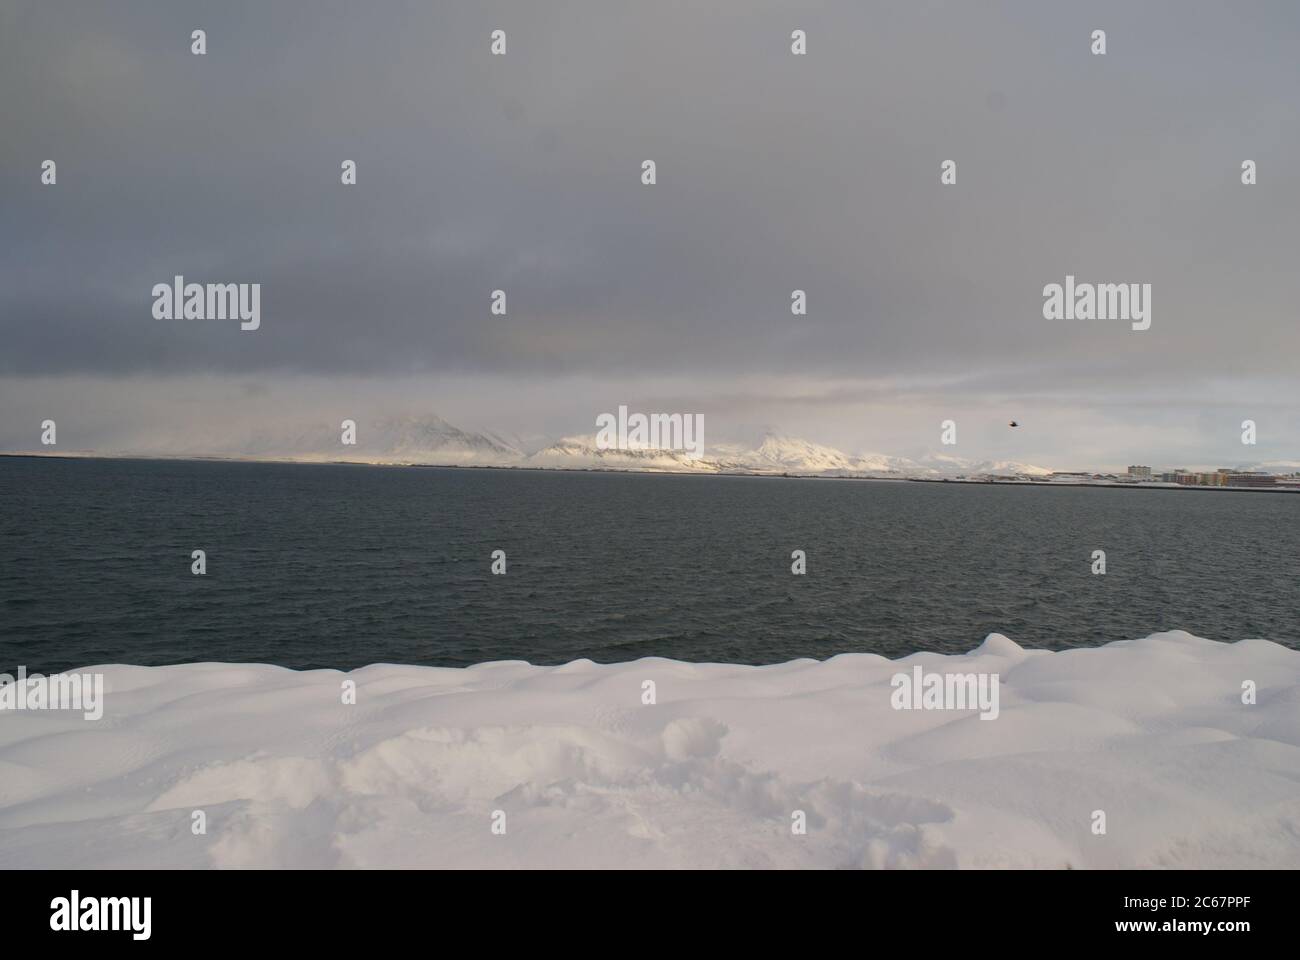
(775, 172)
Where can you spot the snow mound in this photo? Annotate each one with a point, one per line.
(715, 773)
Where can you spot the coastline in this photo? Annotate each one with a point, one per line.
(1009, 481)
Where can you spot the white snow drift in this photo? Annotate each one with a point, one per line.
(581, 773)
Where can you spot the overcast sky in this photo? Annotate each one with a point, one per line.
(775, 172)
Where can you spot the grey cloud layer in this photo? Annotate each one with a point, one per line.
(776, 172)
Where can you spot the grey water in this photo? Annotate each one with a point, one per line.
(345, 565)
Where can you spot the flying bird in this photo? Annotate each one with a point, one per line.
(1013, 424)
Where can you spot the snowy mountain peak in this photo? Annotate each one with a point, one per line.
(801, 454)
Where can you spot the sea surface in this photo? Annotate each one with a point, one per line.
(340, 566)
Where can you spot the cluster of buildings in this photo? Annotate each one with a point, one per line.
(1222, 477)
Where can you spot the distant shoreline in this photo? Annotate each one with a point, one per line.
(1008, 482)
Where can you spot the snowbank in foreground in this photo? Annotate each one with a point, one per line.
(1153, 732)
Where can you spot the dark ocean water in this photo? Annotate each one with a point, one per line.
(340, 566)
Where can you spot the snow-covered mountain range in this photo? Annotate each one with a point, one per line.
(431, 440)
(775, 455)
